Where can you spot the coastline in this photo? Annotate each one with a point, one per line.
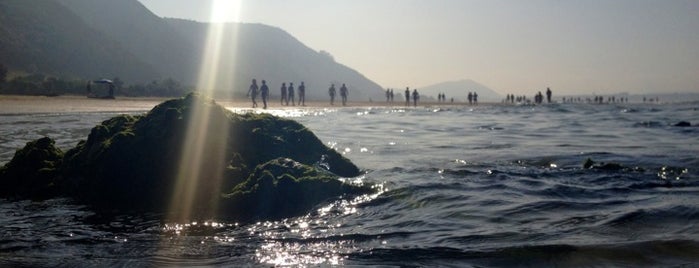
(21, 104)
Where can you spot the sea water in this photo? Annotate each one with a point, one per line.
(486, 185)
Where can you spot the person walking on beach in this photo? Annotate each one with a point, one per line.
(343, 94)
(416, 96)
(290, 95)
(284, 94)
(264, 93)
(388, 95)
(331, 92)
(548, 95)
(475, 98)
(391, 95)
(470, 98)
(302, 94)
(252, 93)
(407, 96)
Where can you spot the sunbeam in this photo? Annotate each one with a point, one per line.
(202, 164)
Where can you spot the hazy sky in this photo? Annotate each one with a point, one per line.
(512, 46)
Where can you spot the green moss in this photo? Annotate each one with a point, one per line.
(283, 188)
(32, 172)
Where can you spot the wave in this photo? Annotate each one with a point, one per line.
(648, 253)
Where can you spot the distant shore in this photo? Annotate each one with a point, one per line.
(17, 104)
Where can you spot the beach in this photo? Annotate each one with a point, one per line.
(16, 104)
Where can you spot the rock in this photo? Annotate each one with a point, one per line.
(145, 162)
(283, 188)
(590, 164)
(683, 124)
(33, 171)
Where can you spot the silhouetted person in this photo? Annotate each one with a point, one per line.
(264, 92)
(470, 98)
(283, 89)
(391, 95)
(343, 94)
(111, 90)
(388, 95)
(302, 94)
(548, 95)
(252, 92)
(475, 98)
(331, 92)
(89, 88)
(290, 95)
(407, 96)
(416, 96)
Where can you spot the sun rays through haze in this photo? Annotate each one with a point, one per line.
(202, 160)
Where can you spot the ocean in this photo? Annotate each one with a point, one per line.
(462, 186)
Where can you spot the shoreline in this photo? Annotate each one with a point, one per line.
(22, 104)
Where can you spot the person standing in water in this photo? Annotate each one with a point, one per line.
(331, 92)
(343, 94)
(302, 94)
(416, 96)
(548, 94)
(283, 100)
(264, 92)
(252, 93)
(290, 95)
(407, 96)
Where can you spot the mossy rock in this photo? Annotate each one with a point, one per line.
(282, 188)
(133, 162)
(33, 171)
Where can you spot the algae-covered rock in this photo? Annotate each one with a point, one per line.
(282, 188)
(33, 171)
(196, 146)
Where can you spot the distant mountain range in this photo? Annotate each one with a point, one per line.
(91, 39)
(459, 90)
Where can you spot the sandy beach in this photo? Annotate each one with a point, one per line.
(15, 104)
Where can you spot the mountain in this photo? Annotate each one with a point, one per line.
(460, 89)
(92, 39)
(46, 37)
(269, 53)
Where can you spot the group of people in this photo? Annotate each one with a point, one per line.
(343, 94)
(472, 98)
(538, 97)
(441, 97)
(287, 94)
(416, 96)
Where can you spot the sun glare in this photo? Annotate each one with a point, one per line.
(202, 159)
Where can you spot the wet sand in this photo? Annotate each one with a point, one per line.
(14, 104)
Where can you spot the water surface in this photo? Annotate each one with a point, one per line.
(488, 185)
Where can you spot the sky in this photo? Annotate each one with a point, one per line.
(511, 46)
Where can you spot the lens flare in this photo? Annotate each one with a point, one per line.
(202, 160)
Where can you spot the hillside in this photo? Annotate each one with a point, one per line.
(460, 89)
(46, 37)
(272, 54)
(91, 39)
